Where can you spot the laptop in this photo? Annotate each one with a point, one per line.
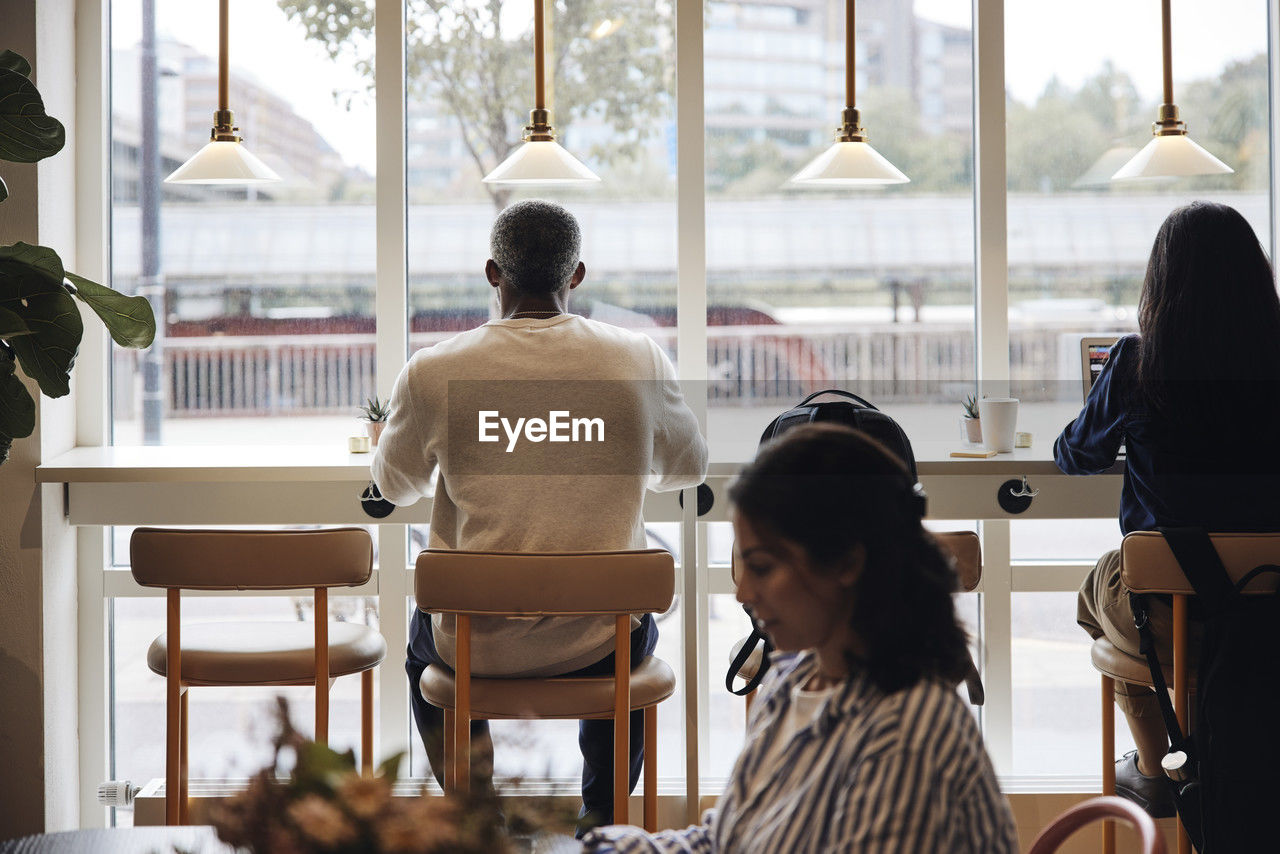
(1094, 350)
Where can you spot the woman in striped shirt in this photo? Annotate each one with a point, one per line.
(859, 741)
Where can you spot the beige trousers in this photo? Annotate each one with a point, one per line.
(1103, 610)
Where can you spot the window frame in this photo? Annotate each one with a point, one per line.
(91, 139)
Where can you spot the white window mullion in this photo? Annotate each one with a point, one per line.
(90, 136)
(391, 317)
(391, 300)
(691, 338)
(991, 230)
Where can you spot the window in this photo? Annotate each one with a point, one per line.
(268, 297)
(265, 295)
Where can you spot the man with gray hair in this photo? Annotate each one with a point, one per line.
(465, 418)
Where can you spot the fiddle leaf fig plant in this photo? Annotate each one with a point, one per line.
(40, 325)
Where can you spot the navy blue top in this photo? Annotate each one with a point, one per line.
(1218, 470)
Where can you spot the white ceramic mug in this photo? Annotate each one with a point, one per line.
(999, 422)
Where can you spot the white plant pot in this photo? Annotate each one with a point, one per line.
(374, 429)
(971, 430)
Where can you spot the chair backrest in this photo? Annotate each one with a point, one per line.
(1147, 564)
(1097, 809)
(251, 560)
(966, 549)
(545, 584)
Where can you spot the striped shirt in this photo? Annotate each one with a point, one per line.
(903, 773)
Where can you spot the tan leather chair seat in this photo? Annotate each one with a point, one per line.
(266, 653)
(551, 697)
(752, 664)
(1119, 665)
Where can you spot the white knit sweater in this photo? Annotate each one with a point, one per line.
(519, 491)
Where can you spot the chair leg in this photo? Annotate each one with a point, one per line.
(1108, 758)
(366, 722)
(173, 713)
(450, 725)
(1180, 692)
(651, 768)
(462, 705)
(184, 768)
(322, 664)
(750, 698)
(621, 716)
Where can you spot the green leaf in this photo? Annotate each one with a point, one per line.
(27, 134)
(11, 325)
(17, 409)
(129, 319)
(31, 287)
(15, 62)
(389, 768)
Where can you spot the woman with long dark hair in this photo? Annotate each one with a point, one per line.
(1195, 399)
(859, 741)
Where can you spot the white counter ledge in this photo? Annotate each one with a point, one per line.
(207, 464)
(314, 484)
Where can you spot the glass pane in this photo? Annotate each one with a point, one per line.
(1079, 105)
(1057, 717)
(264, 294)
(868, 289)
(612, 103)
(1063, 539)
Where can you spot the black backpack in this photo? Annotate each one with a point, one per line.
(1231, 775)
(852, 411)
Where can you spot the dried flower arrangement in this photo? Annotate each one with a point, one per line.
(323, 805)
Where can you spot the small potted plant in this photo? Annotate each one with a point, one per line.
(971, 425)
(375, 414)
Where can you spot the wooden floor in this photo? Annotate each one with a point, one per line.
(1033, 812)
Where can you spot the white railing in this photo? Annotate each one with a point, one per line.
(747, 365)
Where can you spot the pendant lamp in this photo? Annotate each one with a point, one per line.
(224, 160)
(1171, 153)
(851, 161)
(541, 160)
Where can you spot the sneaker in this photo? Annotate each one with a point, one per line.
(1150, 793)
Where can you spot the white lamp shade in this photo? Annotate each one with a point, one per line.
(541, 162)
(221, 162)
(849, 164)
(1169, 157)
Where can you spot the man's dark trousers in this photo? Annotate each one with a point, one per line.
(595, 737)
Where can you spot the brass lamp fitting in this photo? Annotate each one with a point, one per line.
(851, 130)
(1169, 124)
(223, 127)
(539, 128)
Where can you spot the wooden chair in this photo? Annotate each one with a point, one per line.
(618, 584)
(255, 653)
(1147, 565)
(966, 551)
(1098, 809)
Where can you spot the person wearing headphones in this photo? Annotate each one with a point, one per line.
(858, 741)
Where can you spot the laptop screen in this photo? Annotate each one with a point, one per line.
(1093, 353)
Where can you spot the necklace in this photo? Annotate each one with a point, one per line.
(535, 314)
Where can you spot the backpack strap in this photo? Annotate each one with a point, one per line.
(1201, 565)
(1147, 646)
(868, 404)
(740, 660)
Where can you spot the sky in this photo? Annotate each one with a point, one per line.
(1069, 38)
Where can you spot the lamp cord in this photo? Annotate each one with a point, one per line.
(224, 50)
(850, 37)
(1166, 46)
